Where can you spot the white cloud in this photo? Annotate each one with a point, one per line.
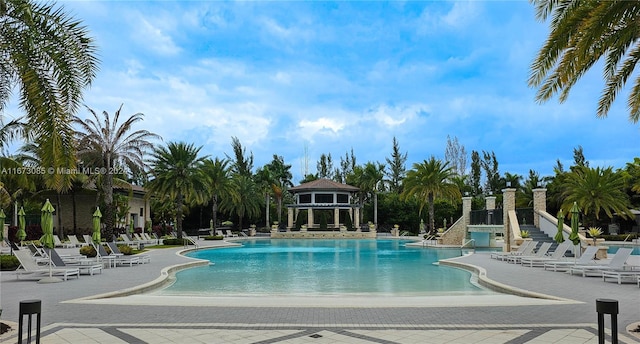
(155, 38)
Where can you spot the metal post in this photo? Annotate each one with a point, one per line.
(607, 306)
(29, 307)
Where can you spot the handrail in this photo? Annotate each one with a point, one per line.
(190, 239)
(625, 239)
(468, 242)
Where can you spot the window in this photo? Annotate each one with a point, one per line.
(342, 198)
(324, 198)
(304, 198)
(141, 211)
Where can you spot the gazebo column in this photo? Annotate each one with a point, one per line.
(289, 218)
(310, 218)
(336, 218)
(356, 218)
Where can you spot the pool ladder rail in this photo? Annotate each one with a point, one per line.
(191, 240)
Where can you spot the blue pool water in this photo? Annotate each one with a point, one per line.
(614, 248)
(323, 267)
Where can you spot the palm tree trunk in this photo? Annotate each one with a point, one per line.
(73, 208)
(179, 215)
(107, 189)
(214, 211)
(279, 210)
(432, 220)
(59, 211)
(266, 210)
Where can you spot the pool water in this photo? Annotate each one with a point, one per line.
(323, 267)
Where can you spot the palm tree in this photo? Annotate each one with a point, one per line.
(177, 173)
(244, 200)
(264, 179)
(281, 180)
(370, 182)
(582, 33)
(218, 182)
(104, 142)
(49, 57)
(427, 181)
(596, 190)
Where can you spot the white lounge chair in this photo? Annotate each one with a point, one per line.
(85, 266)
(565, 264)
(620, 276)
(519, 250)
(229, 234)
(30, 269)
(539, 261)
(128, 241)
(58, 243)
(144, 258)
(542, 251)
(528, 251)
(617, 263)
(119, 259)
(74, 240)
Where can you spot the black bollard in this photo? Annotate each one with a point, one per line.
(30, 307)
(607, 306)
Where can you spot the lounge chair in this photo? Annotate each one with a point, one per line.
(617, 263)
(539, 261)
(144, 258)
(565, 264)
(74, 240)
(58, 243)
(542, 251)
(38, 254)
(520, 250)
(117, 259)
(29, 268)
(219, 233)
(229, 234)
(621, 275)
(128, 241)
(86, 267)
(527, 251)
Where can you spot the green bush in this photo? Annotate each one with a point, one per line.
(214, 237)
(88, 251)
(620, 237)
(302, 216)
(8, 262)
(175, 241)
(348, 223)
(125, 249)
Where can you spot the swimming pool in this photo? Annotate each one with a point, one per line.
(323, 267)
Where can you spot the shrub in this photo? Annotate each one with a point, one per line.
(323, 221)
(214, 237)
(125, 249)
(88, 251)
(302, 215)
(620, 237)
(8, 262)
(348, 223)
(175, 241)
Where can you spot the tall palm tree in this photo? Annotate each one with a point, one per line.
(218, 182)
(177, 172)
(596, 190)
(49, 57)
(582, 33)
(370, 181)
(427, 181)
(281, 180)
(105, 142)
(264, 179)
(244, 200)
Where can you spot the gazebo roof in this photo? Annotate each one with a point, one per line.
(323, 185)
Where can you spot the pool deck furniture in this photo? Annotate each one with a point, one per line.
(58, 243)
(144, 258)
(85, 266)
(520, 250)
(74, 240)
(542, 251)
(620, 276)
(125, 238)
(617, 263)
(527, 251)
(565, 264)
(31, 270)
(539, 261)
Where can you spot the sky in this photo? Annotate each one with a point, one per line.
(302, 78)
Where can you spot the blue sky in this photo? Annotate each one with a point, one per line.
(336, 76)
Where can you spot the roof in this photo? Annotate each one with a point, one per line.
(323, 185)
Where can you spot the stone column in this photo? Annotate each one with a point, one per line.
(336, 218)
(539, 204)
(490, 202)
(508, 203)
(309, 217)
(289, 218)
(466, 210)
(356, 218)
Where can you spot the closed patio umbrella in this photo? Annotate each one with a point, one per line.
(559, 238)
(22, 222)
(95, 236)
(575, 220)
(46, 222)
(2, 217)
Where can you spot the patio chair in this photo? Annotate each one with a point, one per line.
(542, 251)
(520, 250)
(58, 243)
(527, 251)
(74, 240)
(128, 241)
(229, 234)
(117, 258)
(617, 263)
(144, 258)
(539, 261)
(29, 268)
(620, 275)
(86, 267)
(565, 264)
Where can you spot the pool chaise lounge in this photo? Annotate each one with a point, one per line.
(619, 276)
(617, 263)
(117, 259)
(30, 269)
(85, 266)
(144, 258)
(521, 249)
(565, 264)
(542, 251)
(539, 261)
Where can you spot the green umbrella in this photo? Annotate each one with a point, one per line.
(2, 217)
(21, 235)
(46, 222)
(575, 218)
(559, 238)
(95, 237)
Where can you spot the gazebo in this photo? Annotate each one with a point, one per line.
(322, 195)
